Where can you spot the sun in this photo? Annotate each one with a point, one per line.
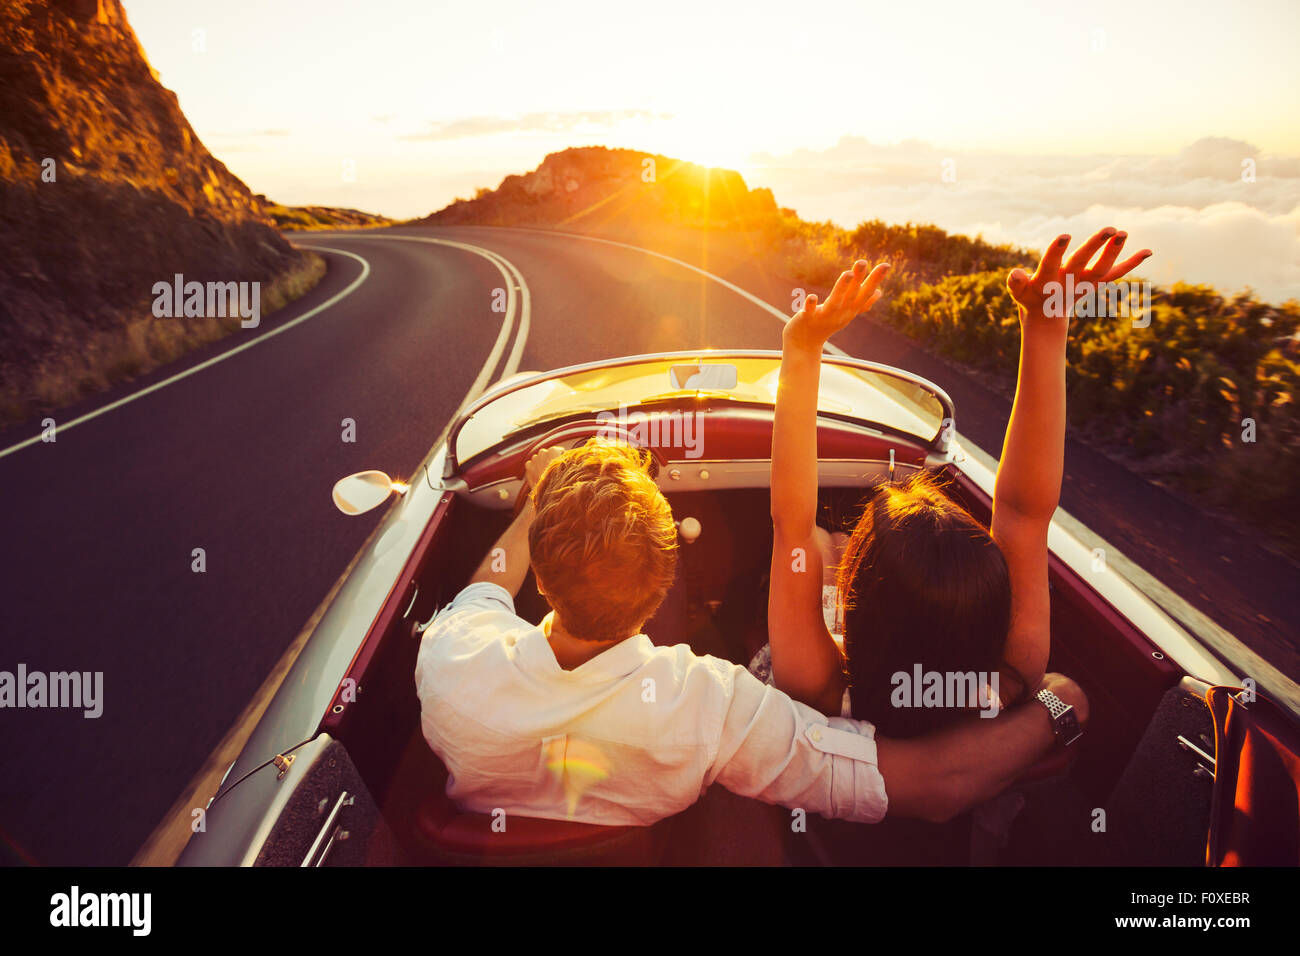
(707, 146)
(693, 139)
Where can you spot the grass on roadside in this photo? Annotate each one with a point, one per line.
(103, 358)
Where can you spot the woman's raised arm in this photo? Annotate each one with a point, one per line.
(1028, 485)
(806, 663)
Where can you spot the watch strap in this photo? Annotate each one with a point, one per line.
(1065, 723)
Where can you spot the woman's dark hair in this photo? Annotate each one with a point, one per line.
(923, 583)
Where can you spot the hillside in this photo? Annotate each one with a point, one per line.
(628, 192)
(104, 190)
(295, 218)
(590, 187)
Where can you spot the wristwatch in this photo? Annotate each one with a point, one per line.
(1065, 724)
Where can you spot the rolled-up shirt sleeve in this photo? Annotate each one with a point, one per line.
(775, 749)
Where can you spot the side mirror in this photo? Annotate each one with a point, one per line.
(364, 491)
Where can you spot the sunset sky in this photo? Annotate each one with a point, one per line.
(845, 109)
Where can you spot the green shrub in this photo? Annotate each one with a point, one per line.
(1175, 396)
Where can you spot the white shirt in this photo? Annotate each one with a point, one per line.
(631, 736)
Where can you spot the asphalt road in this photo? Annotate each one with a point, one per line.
(238, 459)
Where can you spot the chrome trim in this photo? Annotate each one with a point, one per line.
(940, 442)
(421, 627)
(1200, 754)
(312, 858)
(712, 474)
(338, 836)
(719, 474)
(489, 495)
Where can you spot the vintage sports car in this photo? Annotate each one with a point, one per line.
(1190, 758)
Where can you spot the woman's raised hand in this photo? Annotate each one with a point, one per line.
(855, 292)
(1049, 291)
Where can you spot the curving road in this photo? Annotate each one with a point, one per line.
(238, 457)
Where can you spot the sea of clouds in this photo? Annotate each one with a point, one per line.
(1218, 212)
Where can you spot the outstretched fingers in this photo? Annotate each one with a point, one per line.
(1078, 262)
(869, 293)
(1050, 265)
(1108, 256)
(842, 289)
(1127, 266)
(1030, 291)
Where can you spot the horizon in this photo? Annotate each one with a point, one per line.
(411, 122)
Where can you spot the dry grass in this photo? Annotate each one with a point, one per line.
(307, 218)
(103, 358)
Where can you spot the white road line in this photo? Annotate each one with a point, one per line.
(744, 294)
(127, 399)
(514, 282)
(170, 836)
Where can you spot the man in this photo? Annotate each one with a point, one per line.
(583, 718)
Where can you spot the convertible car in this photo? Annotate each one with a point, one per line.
(1189, 759)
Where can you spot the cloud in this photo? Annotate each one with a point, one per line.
(476, 126)
(1205, 219)
(1228, 245)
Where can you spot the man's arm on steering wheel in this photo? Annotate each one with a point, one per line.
(506, 564)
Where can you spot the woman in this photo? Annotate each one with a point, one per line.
(921, 582)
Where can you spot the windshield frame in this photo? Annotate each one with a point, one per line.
(939, 443)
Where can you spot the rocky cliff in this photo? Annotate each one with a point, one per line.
(104, 190)
(593, 186)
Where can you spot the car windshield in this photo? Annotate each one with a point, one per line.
(873, 394)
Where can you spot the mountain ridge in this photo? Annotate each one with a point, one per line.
(596, 185)
(106, 189)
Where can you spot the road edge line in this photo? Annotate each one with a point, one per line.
(168, 840)
(207, 363)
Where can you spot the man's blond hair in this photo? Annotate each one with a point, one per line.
(603, 543)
